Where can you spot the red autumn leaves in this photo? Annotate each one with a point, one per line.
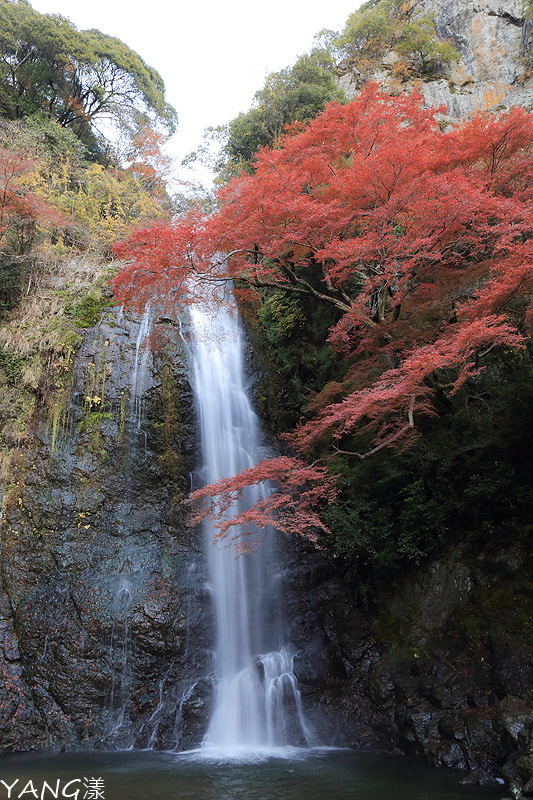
(420, 239)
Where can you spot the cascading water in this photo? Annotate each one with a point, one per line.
(118, 728)
(140, 368)
(257, 702)
(117, 732)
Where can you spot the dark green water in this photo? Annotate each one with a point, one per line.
(330, 775)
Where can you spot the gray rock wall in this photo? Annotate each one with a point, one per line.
(436, 664)
(494, 39)
(104, 626)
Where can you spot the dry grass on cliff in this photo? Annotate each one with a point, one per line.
(39, 325)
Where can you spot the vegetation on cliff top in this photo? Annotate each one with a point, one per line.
(382, 35)
(76, 78)
(380, 28)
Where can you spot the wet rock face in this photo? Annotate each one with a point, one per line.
(438, 665)
(494, 41)
(104, 622)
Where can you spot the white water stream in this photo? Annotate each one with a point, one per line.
(141, 372)
(257, 703)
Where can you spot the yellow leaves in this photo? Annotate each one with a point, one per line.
(72, 204)
(108, 205)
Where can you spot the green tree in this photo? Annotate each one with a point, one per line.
(426, 53)
(382, 25)
(74, 77)
(368, 32)
(295, 94)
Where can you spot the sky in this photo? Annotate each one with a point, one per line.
(212, 55)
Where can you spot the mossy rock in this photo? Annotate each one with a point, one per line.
(86, 313)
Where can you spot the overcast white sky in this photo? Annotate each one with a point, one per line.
(212, 55)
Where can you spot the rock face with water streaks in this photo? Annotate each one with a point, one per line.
(493, 38)
(99, 571)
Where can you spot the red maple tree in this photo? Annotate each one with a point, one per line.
(419, 239)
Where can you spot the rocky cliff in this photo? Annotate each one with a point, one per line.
(100, 587)
(493, 40)
(436, 663)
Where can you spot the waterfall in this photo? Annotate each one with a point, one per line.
(120, 649)
(257, 703)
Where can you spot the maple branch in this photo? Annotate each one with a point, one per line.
(311, 290)
(389, 440)
(259, 283)
(487, 351)
(329, 284)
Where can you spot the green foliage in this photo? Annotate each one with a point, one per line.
(48, 288)
(511, 604)
(289, 341)
(422, 521)
(281, 316)
(86, 313)
(426, 54)
(361, 529)
(91, 425)
(74, 77)
(42, 138)
(382, 25)
(299, 93)
(295, 94)
(469, 471)
(12, 273)
(168, 428)
(393, 631)
(92, 421)
(10, 365)
(369, 31)
(170, 463)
